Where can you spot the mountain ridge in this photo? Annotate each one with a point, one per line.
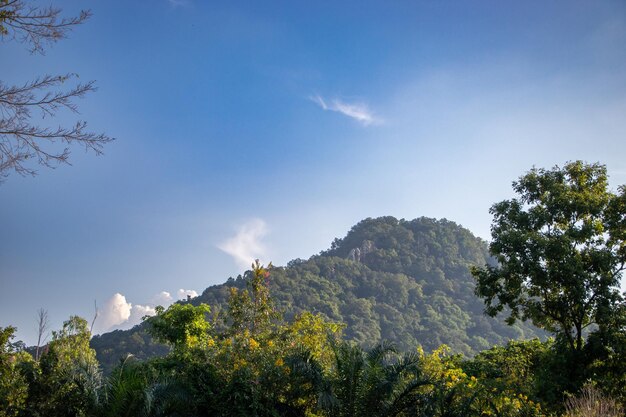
(406, 281)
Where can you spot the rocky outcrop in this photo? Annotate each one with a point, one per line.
(356, 254)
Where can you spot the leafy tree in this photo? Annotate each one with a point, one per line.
(453, 392)
(561, 250)
(70, 345)
(253, 308)
(13, 385)
(373, 383)
(606, 351)
(430, 301)
(529, 368)
(136, 389)
(181, 325)
(117, 345)
(241, 369)
(255, 355)
(515, 365)
(21, 139)
(315, 334)
(66, 380)
(126, 392)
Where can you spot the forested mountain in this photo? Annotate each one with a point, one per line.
(406, 281)
(270, 344)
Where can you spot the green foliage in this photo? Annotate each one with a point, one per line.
(314, 334)
(373, 383)
(126, 392)
(248, 360)
(532, 368)
(137, 389)
(453, 392)
(118, 344)
(70, 345)
(411, 285)
(66, 380)
(517, 365)
(182, 326)
(252, 357)
(270, 367)
(245, 363)
(252, 309)
(605, 353)
(560, 249)
(5, 14)
(13, 385)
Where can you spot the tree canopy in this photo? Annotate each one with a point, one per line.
(560, 249)
(410, 285)
(251, 361)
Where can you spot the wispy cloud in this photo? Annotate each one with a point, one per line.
(357, 111)
(246, 245)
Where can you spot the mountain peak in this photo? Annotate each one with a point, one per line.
(406, 281)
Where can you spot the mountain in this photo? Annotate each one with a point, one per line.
(406, 281)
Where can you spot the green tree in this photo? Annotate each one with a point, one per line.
(430, 301)
(253, 308)
(243, 369)
(373, 383)
(255, 354)
(138, 389)
(454, 393)
(560, 252)
(66, 381)
(528, 368)
(181, 326)
(13, 385)
(607, 353)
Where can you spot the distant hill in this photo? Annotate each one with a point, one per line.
(406, 281)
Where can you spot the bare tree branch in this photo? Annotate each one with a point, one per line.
(35, 26)
(42, 328)
(95, 316)
(21, 139)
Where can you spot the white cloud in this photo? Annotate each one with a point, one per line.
(246, 245)
(182, 294)
(137, 313)
(118, 313)
(357, 111)
(163, 298)
(115, 311)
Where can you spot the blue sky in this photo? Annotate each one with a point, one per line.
(267, 129)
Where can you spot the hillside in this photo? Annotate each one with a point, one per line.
(406, 281)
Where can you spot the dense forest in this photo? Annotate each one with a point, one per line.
(407, 282)
(255, 349)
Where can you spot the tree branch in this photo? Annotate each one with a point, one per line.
(36, 26)
(21, 140)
